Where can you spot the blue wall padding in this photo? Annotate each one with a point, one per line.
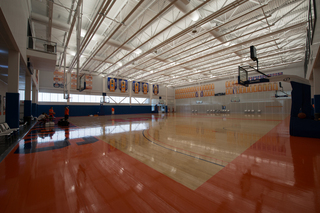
(85, 110)
(12, 109)
(304, 127)
(317, 103)
(301, 102)
(34, 110)
(27, 108)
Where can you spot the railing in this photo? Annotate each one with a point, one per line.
(312, 19)
(41, 45)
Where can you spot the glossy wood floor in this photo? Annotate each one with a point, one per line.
(163, 163)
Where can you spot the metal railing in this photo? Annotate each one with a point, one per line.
(41, 45)
(312, 19)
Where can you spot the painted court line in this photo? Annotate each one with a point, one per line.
(181, 152)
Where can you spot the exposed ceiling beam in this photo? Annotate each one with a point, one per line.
(50, 12)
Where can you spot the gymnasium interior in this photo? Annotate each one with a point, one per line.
(159, 106)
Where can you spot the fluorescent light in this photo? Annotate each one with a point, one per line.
(194, 16)
(253, 1)
(226, 44)
(138, 51)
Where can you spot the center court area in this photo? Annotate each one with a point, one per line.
(163, 163)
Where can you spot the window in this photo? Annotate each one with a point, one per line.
(50, 97)
(140, 100)
(81, 98)
(22, 95)
(119, 99)
(74, 98)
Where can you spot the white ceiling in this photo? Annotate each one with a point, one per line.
(166, 42)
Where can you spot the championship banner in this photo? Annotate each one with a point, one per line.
(155, 89)
(123, 85)
(73, 81)
(88, 82)
(58, 78)
(112, 84)
(136, 87)
(145, 88)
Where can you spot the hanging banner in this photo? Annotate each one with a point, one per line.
(136, 87)
(155, 89)
(88, 82)
(123, 85)
(145, 88)
(58, 78)
(73, 81)
(112, 84)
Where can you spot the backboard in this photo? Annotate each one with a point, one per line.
(104, 100)
(65, 94)
(243, 73)
(242, 76)
(82, 81)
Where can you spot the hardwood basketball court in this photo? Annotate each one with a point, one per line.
(163, 163)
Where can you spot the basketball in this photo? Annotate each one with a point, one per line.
(302, 115)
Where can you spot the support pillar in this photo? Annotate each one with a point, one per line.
(27, 101)
(12, 96)
(150, 93)
(166, 95)
(68, 86)
(130, 91)
(34, 101)
(104, 84)
(316, 89)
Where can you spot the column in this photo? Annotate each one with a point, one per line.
(27, 100)
(316, 89)
(130, 91)
(150, 93)
(68, 86)
(34, 101)
(104, 84)
(104, 88)
(166, 95)
(12, 95)
(166, 107)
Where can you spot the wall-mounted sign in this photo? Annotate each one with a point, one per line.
(58, 79)
(89, 82)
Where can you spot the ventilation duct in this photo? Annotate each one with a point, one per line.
(185, 8)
